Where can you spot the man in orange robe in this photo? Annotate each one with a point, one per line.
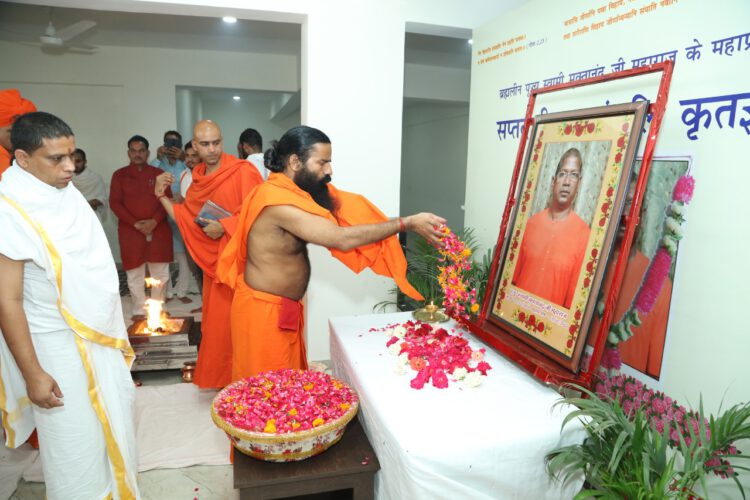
(225, 181)
(12, 105)
(266, 261)
(555, 239)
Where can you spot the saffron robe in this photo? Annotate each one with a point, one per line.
(260, 343)
(72, 306)
(5, 160)
(12, 105)
(227, 187)
(645, 349)
(132, 198)
(551, 256)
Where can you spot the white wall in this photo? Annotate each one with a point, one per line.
(352, 88)
(433, 173)
(708, 343)
(236, 116)
(422, 81)
(108, 96)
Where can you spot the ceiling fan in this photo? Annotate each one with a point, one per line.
(54, 38)
(58, 40)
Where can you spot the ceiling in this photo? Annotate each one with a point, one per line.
(25, 23)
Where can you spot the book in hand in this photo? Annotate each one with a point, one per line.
(211, 211)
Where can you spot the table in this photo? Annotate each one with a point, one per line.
(349, 464)
(486, 442)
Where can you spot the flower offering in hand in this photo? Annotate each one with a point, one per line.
(455, 262)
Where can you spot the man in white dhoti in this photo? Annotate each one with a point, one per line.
(64, 352)
(91, 185)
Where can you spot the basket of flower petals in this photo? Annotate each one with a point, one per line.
(285, 415)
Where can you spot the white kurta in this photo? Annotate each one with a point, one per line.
(72, 304)
(91, 185)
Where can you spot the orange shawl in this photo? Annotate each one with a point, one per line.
(385, 257)
(5, 160)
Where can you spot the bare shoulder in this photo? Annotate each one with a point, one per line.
(289, 214)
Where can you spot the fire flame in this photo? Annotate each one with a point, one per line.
(152, 282)
(154, 316)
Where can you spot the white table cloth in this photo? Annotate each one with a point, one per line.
(454, 443)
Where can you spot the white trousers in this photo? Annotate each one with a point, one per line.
(183, 276)
(137, 284)
(72, 442)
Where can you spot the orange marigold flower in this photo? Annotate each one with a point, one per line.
(270, 426)
(293, 412)
(308, 386)
(318, 421)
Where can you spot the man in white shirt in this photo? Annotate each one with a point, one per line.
(250, 148)
(64, 352)
(91, 185)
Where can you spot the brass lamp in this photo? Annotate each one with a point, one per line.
(430, 314)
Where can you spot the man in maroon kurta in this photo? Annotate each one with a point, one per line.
(145, 237)
(225, 181)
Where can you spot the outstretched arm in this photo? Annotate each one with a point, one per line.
(41, 388)
(321, 231)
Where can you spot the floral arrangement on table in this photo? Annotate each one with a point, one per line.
(656, 275)
(285, 414)
(459, 298)
(435, 355)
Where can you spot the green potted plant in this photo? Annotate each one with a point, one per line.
(655, 450)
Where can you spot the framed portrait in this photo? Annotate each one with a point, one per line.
(568, 203)
(643, 353)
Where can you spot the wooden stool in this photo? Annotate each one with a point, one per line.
(349, 464)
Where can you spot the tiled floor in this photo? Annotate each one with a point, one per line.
(197, 482)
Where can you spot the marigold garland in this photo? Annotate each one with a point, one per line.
(455, 261)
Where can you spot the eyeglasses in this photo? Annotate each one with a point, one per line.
(569, 174)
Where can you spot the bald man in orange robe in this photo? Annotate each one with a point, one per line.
(225, 181)
(266, 260)
(12, 105)
(555, 239)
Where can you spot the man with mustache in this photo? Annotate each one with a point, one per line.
(224, 181)
(266, 261)
(555, 239)
(64, 352)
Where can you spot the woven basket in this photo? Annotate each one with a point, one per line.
(286, 447)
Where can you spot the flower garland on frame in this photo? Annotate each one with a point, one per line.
(455, 261)
(655, 276)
